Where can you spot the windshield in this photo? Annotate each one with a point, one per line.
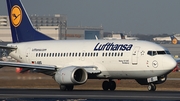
(153, 53)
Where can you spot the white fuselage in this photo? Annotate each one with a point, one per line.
(114, 58)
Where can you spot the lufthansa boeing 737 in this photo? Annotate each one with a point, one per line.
(72, 62)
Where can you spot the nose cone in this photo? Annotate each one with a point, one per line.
(169, 63)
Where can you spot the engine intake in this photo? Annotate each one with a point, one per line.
(71, 75)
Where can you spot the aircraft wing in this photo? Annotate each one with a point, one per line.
(27, 65)
(89, 69)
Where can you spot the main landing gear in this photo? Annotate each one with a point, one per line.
(151, 87)
(109, 85)
(66, 87)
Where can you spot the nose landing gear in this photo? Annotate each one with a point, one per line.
(151, 87)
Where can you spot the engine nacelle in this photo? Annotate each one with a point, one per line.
(161, 79)
(71, 75)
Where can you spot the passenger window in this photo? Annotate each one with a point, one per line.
(79, 54)
(106, 54)
(115, 54)
(121, 54)
(85, 54)
(118, 54)
(102, 54)
(96, 54)
(91, 54)
(76, 54)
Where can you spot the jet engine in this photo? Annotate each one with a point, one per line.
(161, 79)
(71, 76)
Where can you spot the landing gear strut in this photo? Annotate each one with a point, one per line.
(151, 87)
(66, 87)
(109, 85)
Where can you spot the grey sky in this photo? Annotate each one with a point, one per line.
(137, 16)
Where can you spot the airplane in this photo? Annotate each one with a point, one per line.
(73, 62)
(166, 39)
(162, 39)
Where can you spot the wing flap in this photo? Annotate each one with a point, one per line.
(26, 65)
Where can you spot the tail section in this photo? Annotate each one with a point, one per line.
(21, 26)
(174, 40)
(122, 36)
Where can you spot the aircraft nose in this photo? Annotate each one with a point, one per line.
(169, 63)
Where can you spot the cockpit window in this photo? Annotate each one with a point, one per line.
(167, 52)
(153, 53)
(161, 52)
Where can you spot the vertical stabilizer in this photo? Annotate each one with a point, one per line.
(174, 40)
(21, 26)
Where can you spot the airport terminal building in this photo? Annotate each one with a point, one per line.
(54, 26)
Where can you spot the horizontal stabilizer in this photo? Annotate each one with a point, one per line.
(7, 47)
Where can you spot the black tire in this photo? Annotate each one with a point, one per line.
(152, 87)
(63, 87)
(112, 85)
(105, 85)
(69, 87)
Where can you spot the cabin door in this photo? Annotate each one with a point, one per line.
(28, 55)
(135, 55)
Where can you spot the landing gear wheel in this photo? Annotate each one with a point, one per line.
(69, 87)
(62, 87)
(109, 85)
(112, 85)
(151, 87)
(105, 85)
(66, 87)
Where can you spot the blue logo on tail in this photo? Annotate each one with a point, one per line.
(21, 26)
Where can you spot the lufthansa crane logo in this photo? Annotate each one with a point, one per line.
(174, 41)
(155, 64)
(16, 15)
